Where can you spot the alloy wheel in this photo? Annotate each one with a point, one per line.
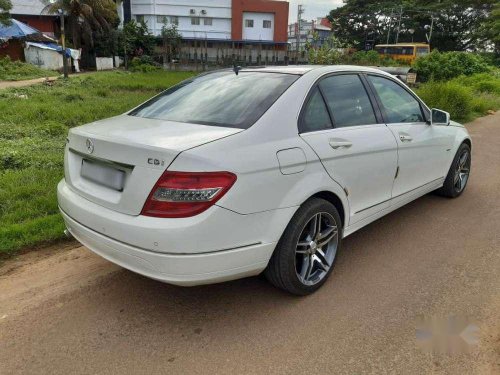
(316, 248)
(462, 171)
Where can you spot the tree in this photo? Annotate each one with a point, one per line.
(490, 29)
(5, 6)
(137, 40)
(455, 23)
(331, 51)
(171, 41)
(86, 17)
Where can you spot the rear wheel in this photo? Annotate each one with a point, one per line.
(306, 253)
(459, 172)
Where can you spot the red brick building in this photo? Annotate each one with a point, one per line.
(31, 12)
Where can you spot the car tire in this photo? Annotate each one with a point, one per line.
(300, 265)
(458, 174)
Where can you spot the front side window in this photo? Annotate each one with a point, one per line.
(348, 101)
(207, 21)
(398, 104)
(195, 20)
(218, 99)
(266, 24)
(315, 116)
(248, 23)
(161, 19)
(174, 20)
(139, 18)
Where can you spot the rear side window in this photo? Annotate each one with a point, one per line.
(315, 115)
(219, 99)
(399, 105)
(348, 101)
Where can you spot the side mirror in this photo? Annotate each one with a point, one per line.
(439, 117)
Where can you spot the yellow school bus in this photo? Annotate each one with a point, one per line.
(406, 52)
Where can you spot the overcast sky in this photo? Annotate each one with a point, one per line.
(314, 8)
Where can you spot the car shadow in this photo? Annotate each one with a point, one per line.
(127, 291)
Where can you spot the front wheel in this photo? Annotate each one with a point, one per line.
(306, 253)
(459, 173)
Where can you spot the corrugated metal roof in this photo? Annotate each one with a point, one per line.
(27, 7)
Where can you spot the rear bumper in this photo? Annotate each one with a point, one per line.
(215, 246)
(184, 270)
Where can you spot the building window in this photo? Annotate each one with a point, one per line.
(207, 21)
(161, 19)
(195, 20)
(266, 24)
(139, 18)
(248, 23)
(174, 20)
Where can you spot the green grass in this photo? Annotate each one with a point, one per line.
(465, 97)
(32, 138)
(18, 71)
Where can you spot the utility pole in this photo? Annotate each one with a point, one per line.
(300, 11)
(399, 23)
(63, 42)
(429, 36)
(389, 26)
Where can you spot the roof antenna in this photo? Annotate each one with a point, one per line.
(236, 69)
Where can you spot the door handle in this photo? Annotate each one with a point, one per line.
(405, 138)
(340, 144)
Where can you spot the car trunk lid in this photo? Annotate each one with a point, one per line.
(116, 162)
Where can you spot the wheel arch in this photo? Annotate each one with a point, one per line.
(335, 200)
(468, 142)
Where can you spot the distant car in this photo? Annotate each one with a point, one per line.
(234, 173)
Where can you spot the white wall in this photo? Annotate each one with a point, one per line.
(218, 10)
(43, 58)
(258, 32)
(104, 63)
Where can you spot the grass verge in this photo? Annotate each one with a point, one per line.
(34, 123)
(19, 71)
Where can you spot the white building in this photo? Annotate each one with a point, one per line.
(258, 26)
(200, 19)
(253, 31)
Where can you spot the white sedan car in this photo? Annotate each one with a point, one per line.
(238, 172)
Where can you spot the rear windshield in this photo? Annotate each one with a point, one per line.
(218, 99)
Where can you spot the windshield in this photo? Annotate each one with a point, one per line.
(218, 99)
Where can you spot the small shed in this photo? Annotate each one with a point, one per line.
(44, 56)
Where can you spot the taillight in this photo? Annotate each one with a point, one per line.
(185, 194)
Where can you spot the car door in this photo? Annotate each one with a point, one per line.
(358, 151)
(423, 149)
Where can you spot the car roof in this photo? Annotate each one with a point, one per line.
(303, 69)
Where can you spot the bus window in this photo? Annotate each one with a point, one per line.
(407, 51)
(422, 51)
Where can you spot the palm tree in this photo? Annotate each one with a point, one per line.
(85, 17)
(5, 6)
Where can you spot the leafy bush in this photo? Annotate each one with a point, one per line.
(371, 58)
(442, 66)
(143, 64)
(484, 83)
(448, 96)
(17, 70)
(464, 97)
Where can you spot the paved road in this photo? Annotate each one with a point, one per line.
(67, 311)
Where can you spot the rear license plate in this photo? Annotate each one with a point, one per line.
(103, 174)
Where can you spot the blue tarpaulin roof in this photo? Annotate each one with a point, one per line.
(51, 46)
(16, 29)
